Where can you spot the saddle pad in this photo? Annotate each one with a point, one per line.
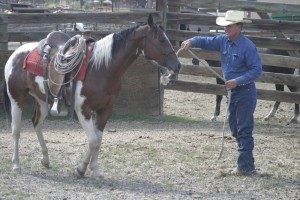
(34, 63)
(85, 61)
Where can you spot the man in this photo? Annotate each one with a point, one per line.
(241, 65)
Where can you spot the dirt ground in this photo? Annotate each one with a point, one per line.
(157, 159)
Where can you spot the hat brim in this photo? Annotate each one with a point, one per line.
(221, 21)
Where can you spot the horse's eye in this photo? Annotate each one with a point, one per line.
(162, 40)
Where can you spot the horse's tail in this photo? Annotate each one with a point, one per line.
(6, 100)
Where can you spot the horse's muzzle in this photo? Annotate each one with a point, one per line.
(175, 67)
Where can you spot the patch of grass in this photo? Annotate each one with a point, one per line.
(129, 117)
(5, 165)
(16, 194)
(149, 118)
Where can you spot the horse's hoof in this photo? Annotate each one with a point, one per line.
(16, 169)
(97, 175)
(79, 173)
(213, 118)
(45, 163)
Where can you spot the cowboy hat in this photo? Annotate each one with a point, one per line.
(232, 17)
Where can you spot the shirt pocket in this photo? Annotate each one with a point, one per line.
(236, 61)
(224, 57)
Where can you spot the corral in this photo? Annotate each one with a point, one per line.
(164, 158)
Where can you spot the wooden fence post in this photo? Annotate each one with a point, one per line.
(161, 5)
(3, 29)
(3, 47)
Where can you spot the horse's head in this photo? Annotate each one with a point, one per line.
(156, 46)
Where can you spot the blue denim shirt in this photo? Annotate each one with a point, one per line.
(239, 59)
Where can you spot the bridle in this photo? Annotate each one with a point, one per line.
(159, 48)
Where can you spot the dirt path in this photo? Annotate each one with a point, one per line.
(155, 160)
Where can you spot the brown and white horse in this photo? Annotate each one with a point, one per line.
(97, 93)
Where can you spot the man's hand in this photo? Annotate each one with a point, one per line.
(186, 44)
(231, 84)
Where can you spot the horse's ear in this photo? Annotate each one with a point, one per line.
(150, 21)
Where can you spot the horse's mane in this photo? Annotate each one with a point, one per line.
(120, 38)
(107, 47)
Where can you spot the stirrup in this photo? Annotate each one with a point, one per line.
(56, 108)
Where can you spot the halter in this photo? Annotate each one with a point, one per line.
(156, 47)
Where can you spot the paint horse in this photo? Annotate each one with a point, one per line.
(111, 56)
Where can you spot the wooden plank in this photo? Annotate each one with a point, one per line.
(54, 18)
(271, 43)
(210, 20)
(38, 35)
(3, 30)
(224, 5)
(266, 77)
(278, 33)
(270, 95)
(266, 59)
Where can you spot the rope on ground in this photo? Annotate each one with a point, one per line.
(206, 65)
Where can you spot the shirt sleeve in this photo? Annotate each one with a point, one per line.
(253, 64)
(207, 43)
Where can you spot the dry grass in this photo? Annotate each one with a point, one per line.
(152, 160)
(157, 159)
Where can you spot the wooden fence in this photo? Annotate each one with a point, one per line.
(140, 93)
(169, 16)
(278, 29)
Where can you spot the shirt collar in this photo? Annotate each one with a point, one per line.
(237, 41)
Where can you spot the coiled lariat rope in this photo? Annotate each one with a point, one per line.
(65, 62)
(206, 65)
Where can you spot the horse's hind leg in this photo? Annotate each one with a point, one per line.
(296, 115)
(276, 104)
(294, 120)
(218, 102)
(217, 108)
(37, 120)
(16, 115)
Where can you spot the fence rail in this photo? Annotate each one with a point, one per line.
(170, 17)
(224, 5)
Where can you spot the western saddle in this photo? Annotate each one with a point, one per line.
(58, 47)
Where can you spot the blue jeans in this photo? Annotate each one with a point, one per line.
(241, 123)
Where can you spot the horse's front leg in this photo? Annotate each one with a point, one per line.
(93, 137)
(41, 111)
(88, 126)
(102, 117)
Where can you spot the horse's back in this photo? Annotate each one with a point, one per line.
(17, 58)
(15, 75)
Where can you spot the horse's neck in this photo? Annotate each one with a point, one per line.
(127, 57)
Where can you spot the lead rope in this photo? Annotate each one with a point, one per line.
(206, 65)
